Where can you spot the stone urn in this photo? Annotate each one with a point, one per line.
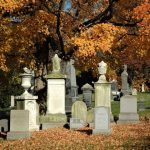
(26, 81)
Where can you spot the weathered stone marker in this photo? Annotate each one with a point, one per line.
(102, 120)
(19, 125)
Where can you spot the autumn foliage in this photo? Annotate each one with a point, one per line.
(122, 137)
(116, 31)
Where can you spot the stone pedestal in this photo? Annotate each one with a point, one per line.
(103, 95)
(55, 115)
(19, 125)
(128, 110)
(28, 102)
(55, 96)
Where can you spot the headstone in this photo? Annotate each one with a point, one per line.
(87, 94)
(19, 125)
(134, 91)
(103, 89)
(102, 121)
(90, 117)
(128, 110)
(141, 105)
(12, 103)
(4, 124)
(79, 114)
(79, 110)
(71, 75)
(143, 88)
(124, 79)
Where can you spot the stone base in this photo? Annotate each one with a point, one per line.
(14, 135)
(53, 118)
(100, 131)
(34, 128)
(76, 123)
(128, 118)
(52, 125)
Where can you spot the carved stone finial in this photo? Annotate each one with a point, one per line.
(102, 70)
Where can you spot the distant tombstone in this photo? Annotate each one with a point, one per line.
(128, 110)
(124, 79)
(134, 91)
(12, 102)
(71, 75)
(102, 120)
(4, 124)
(87, 94)
(143, 88)
(79, 115)
(19, 125)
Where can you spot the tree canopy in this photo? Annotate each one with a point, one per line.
(116, 31)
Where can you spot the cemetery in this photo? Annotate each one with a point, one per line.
(74, 74)
(87, 115)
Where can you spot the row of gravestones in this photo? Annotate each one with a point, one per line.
(22, 122)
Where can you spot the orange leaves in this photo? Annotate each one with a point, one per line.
(99, 38)
(122, 137)
(11, 5)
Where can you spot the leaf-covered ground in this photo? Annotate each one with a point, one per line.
(126, 137)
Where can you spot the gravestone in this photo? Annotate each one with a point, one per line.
(102, 120)
(143, 87)
(128, 110)
(79, 115)
(124, 79)
(12, 102)
(134, 91)
(19, 125)
(90, 117)
(87, 94)
(4, 124)
(55, 114)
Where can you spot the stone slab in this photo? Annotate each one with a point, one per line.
(128, 118)
(4, 124)
(19, 121)
(97, 131)
(52, 125)
(18, 135)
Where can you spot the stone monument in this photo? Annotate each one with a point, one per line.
(71, 75)
(55, 115)
(128, 110)
(27, 101)
(87, 94)
(124, 78)
(19, 125)
(103, 89)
